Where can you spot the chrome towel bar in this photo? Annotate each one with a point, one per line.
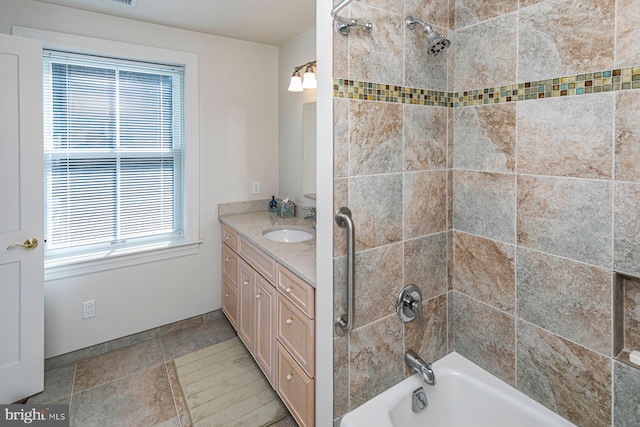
(344, 323)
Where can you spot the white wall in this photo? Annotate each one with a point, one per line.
(295, 52)
(238, 144)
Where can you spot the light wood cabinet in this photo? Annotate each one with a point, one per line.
(246, 292)
(272, 310)
(230, 265)
(230, 302)
(296, 332)
(260, 261)
(299, 292)
(230, 237)
(264, 344)
(296, 389)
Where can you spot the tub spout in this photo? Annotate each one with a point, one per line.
(420, 366)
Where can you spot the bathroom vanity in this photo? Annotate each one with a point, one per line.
(268, 295)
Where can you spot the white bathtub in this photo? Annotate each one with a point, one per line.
(464, 395)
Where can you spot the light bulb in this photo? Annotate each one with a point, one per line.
(309, 81)
(296, 83)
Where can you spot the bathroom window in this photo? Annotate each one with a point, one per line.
(113, 153)
(120, 172)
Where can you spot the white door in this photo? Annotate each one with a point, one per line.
(21, 218)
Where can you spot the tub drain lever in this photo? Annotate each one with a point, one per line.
(419, 400)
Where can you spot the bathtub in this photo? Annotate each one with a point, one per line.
(464, 395)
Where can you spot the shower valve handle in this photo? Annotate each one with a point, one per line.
(409, 304)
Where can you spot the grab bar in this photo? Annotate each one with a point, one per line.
(344, 323)
(344, 24)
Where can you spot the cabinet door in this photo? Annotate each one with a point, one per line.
(230, 302)
(295, 389)
(264, 345)
(230, 265)
(246, 297)
(296, 332)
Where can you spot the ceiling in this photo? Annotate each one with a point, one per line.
(271, 22)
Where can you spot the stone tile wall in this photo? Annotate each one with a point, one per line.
(512, 217)
(554, 186)
(391, 164)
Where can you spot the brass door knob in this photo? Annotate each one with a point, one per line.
(31, 243)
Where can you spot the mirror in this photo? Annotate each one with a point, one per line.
(309, 150)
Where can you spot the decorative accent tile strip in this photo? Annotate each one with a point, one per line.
(580, 84)
(365, 91)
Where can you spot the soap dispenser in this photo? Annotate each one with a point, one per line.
(273, 205)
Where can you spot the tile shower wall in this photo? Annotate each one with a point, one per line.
(391, 167)
(511, 217)
(545, 192)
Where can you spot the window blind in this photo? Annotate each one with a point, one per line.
(114, 152)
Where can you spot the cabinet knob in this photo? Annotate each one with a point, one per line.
(226, 294)
(246, 282)
(258, 295)
(290, 319)
(226, 237)
(227, 259)
(289, 376)
(289, 289)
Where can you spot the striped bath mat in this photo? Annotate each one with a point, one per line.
(223, 386)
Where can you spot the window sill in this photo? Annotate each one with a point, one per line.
(78, 265)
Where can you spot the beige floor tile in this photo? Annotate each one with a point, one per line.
(142, 399)
(183, 342)
(58, 384)
(136, 385)
(117, 364)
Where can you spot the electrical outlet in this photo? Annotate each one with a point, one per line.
(255, 187)
(89, 309)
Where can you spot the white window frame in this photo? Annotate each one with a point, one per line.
(134, 255)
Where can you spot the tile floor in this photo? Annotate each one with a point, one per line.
(134, 385)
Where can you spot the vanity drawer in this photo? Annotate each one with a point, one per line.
(261, 262)
(230, 302)
(296, 290)
(296, 389)
(296, 332)
(230, 237)
(230, 265)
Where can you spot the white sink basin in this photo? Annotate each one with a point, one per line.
(288, 233)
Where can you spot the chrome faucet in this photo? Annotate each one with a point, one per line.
(420, 366)
(311, 213)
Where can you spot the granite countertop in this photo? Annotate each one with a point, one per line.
(299, 257)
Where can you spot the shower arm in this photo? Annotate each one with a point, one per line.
(344, 24)
(411, 21)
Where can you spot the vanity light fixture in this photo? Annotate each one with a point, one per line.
(309, 81)
(298, 84)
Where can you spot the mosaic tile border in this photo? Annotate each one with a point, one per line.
(579, 84)
(366, 91)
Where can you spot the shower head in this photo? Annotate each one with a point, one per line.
(439, 45)
(437, 42)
